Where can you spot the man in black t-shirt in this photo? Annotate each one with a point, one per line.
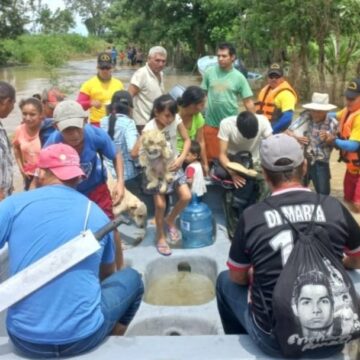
(263, 243)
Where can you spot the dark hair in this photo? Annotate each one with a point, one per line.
(121, 102)
(32, 101)
(247, 124)
(192, 95)
(164, 102)
(37, 96)
(7, 91)
(227, 46)
(313, 277)
(195, 148)
(279, 177)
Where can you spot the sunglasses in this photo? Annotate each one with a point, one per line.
(274, 76)
(104, 67)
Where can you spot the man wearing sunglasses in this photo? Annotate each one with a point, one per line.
(277, 100)
(96, 93)
(348, 142)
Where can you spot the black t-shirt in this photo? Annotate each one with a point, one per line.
(263, 241)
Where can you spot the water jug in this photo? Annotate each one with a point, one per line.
(196, 224)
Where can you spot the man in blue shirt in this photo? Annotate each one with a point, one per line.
(91, 143)
(74, 312)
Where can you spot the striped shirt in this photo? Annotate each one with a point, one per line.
(6, 163)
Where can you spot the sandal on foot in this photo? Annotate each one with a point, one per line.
(163, 249)
(174, 234)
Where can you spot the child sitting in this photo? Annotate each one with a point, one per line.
(194, 173)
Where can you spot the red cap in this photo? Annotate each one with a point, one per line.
(62, 160)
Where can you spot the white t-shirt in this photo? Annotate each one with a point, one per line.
(169, 131)
(236, 142)
(150, 88)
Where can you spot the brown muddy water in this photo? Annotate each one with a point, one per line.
(30, 80)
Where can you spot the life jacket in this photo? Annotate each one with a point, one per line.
(352, 159)
(266, 100)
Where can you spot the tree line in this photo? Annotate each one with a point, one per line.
(316, 40)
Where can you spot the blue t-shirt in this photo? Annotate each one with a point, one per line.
(34, 223)
(96, 141)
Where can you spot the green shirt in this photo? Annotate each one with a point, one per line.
(223, 89)
(196, 123)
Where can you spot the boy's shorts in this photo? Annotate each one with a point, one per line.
(212, 142)
(102, 197)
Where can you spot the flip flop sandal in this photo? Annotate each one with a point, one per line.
(163, 249)
(173, 234)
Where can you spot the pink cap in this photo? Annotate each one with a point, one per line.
(62, 160)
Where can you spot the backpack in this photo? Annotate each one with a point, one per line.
(314, 302)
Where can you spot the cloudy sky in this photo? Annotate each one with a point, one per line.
(54, 4)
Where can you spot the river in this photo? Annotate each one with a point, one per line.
(29, 80)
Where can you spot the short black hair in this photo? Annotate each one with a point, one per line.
(195, 148)
(228, 46)
(164, 102)
(7, 91)
(247, 124)
(191, 95)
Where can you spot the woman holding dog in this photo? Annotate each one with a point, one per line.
(164, 119)
(191, 104)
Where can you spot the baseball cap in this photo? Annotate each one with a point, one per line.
(52, 96)
(122, 96)
(353, 89)
(104, 60)
(280, 146)
(276, 69)
(62, 160)
(69, 113)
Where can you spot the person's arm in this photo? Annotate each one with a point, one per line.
(238, 262)
(119, 188)
(106, 270)
(136, 149)
(201, 140)
(18, 158)
(283, 122)
(238, 180)
(351, 262)
(187, 143)
(133, 90)
(249, 104)
(347, 145)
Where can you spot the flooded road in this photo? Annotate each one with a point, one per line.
(30, 80)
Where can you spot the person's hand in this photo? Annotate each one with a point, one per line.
(303, 140)
(238, 180)
(175, 165)
(206, 170)
(327, 137)
(118, 193)
(2, 194)
(96, 104)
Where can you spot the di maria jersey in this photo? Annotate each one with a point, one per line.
(264, 242)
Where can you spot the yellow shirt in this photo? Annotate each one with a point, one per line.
(102, 91)
(355, 131)
(285, 101)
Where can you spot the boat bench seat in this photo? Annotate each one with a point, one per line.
(209, 347)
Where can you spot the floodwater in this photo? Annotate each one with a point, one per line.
(180, 289)
(29, 80)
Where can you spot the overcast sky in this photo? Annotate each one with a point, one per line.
(54, 4)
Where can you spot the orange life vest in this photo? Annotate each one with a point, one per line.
(266, 100)
(352, 159)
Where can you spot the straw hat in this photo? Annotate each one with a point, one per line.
(320, 102)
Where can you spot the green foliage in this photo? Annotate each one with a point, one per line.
(50, 50)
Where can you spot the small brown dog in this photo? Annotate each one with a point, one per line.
(130, 204)
(155, 157)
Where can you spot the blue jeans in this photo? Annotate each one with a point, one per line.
(120, 299)
(237, 318)
(319, 174)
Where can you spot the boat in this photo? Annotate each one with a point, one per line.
(210, 60)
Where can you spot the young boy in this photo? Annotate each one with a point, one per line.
(194, 172)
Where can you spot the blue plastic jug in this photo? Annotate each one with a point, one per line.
(197, 225)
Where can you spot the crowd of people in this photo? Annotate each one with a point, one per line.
(65, 150)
